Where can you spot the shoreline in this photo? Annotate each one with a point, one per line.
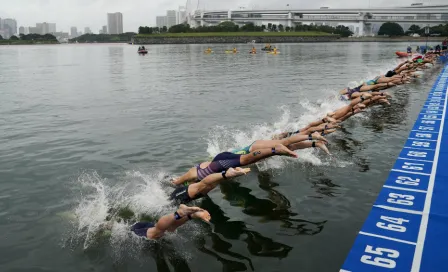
(392, 39)
(242, 39)
(230, 39)
(19, 42)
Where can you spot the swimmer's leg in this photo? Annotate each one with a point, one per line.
(190, 176)
(260, 154)
(319, 144)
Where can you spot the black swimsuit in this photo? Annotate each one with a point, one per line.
(180, 195)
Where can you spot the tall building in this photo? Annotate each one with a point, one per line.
(21, 30)
(45, 28)
(87, 30)
(34, 30)
(181, 15)
(40, 28)
(52, 28)
(9, 27)
(171, 18)
(73, 32)
(161, 21)
(115, 23)
(104, 29)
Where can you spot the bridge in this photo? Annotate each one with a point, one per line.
(364, 18)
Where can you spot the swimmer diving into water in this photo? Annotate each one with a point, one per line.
(169, 222)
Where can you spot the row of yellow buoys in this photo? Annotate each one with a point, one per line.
(268, 48)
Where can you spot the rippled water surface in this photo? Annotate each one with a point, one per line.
(86, 129)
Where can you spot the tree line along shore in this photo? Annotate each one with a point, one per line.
(227, 32)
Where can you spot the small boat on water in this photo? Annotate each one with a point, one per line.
(143, 51)
(402, 54)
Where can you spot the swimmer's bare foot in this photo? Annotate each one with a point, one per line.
(323, 147)
(283, 150)
(359, 106)
(203, 215)
(329, 119)
(334, 125)
(366, 95)
(384, 101)
(184, 210)
(386, 94)
(235, 172)
(328, 131)
(317, 136)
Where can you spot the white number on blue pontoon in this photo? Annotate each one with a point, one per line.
(413, 166)
(379, 261)
(396, 226)
(407, 181)
(400, 199)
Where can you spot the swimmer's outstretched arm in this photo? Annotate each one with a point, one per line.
(171, 222)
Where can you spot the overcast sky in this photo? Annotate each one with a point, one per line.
(92, 13)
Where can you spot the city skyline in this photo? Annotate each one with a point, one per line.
(91, 13)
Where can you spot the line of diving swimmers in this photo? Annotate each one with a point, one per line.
(204, 177)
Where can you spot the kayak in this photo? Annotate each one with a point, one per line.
(250, 52)
(274, 53)
(266, 49)
(208, 52)
(401, 54)
(142, 51)
(231, 51)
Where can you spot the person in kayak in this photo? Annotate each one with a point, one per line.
(253, 50)
(169, 222)
(409, 49)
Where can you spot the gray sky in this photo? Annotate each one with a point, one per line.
(92, 13)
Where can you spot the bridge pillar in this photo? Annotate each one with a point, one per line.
(289, 19)
(202, 19)
(229, 15)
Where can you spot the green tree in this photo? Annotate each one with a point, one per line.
(391, 29)
(297, 28)
(164, 29)
(228, 26)
(274, 27)
(269, 26)
(280, 28)
(263, 27)
(414, 29)
(1, 38)
(249, 27)
(343, 31)
(287, 29)
(141, 30)
(180, 28)
(13, 38)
